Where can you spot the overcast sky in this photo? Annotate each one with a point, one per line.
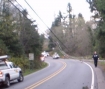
(47, 9)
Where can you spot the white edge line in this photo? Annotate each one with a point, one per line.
(92, 83)
(39, 70)
(48, 64)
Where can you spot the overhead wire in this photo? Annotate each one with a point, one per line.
(46, 25)
(21, 7)
(17, 8)
(39, 18)
(21, 11)
(27, 13)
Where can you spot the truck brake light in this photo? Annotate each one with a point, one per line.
(1, 74)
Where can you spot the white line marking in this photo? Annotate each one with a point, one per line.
(48, 63)
(92, 83)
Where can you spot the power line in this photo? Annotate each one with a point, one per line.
(40, 19)
(22, 7)
(45, 24)
(36, 13)
(17, 8)
(20, 10)
(19, 4)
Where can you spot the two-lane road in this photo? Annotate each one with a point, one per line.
(60, 74)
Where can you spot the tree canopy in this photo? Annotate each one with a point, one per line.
(18, 34)
(73, 32)
(98, 7)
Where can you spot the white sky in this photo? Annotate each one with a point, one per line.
(47, 8)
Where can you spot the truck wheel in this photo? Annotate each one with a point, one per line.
(7, 82)
(21, 78)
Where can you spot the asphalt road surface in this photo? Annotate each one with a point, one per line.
(60, 74)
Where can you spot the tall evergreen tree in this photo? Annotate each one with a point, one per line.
(98, 7)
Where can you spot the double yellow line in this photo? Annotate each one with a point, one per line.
(48, 78)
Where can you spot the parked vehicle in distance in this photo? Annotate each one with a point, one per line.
(56, 56)
(46, 54)
(9, 71)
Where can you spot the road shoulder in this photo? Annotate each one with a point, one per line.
(100, 76)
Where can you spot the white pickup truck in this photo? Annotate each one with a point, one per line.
(9, 71)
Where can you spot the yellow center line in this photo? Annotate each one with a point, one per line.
(47, 78)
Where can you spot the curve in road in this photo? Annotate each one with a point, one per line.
(60, 74)
(47, 78)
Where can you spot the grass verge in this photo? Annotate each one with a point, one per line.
(102, 65)
(29, 71)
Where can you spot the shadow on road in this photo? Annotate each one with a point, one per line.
(85, 87)
(12, 84)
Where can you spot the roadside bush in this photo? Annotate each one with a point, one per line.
(22, 62)
(25, 63)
